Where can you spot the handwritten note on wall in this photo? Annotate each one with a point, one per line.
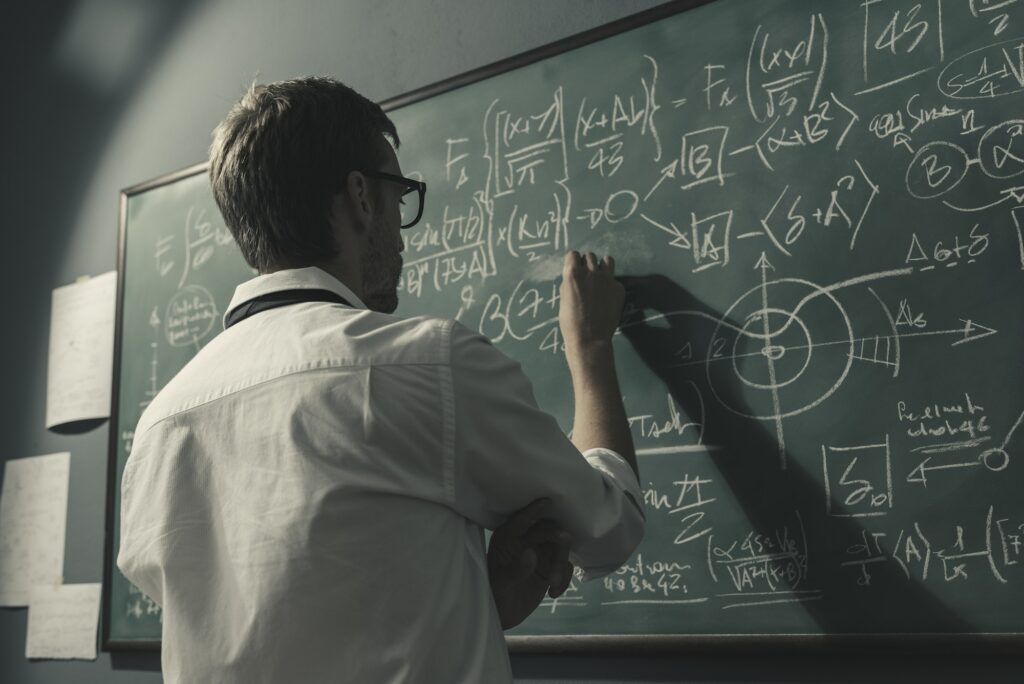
(81, 350)
(62, 622)
(33, 513)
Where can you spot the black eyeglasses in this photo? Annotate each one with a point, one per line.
(412, 210)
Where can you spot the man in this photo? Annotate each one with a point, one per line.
(306, 499)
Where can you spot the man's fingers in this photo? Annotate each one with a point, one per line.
(525, 518)
(560, 573)
(546, 532)
(552, 543)
(553, 566)
(525, 566)
(556, 590)
(572, 261)
(507, 543)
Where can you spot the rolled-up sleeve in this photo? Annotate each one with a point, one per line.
(505, 452)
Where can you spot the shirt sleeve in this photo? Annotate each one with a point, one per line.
(136, 552)
(507, 452)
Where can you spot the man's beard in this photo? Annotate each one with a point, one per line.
(382, 269)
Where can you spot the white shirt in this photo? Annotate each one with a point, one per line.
(306, 499)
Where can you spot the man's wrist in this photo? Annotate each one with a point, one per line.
(587, 356)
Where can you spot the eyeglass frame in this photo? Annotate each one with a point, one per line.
(410, 183)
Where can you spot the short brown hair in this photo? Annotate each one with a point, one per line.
(280, 156)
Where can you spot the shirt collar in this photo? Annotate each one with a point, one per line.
(310, 278)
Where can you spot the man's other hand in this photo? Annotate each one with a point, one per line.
(528, 557)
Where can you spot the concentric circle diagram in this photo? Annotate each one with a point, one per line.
(790, 345)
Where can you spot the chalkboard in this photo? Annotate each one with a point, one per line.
(817, 211)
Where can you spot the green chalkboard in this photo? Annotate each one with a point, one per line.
(817, 210)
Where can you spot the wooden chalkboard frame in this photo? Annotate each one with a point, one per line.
(651, 644)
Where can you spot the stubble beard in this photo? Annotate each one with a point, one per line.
(382, 269)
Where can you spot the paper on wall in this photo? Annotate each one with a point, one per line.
(62, 621)
(78, 378)
(33, 516)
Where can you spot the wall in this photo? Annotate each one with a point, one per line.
(102, 94)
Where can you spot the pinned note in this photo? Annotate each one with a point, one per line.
(78, 378)
(33, 514)
(62, 622)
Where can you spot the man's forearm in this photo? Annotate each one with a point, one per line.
(600, 419)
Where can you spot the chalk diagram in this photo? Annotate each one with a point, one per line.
(787, 344)
(791, 343)
(994, 459)
(997, 458)
(154, 363)
(190, 316)
(939, 167)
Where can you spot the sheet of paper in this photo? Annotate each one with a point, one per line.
(33, 516)
(78, 377)
(62, 622)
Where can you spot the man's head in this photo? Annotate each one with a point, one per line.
(287, 168)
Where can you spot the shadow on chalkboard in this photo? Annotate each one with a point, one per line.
(748, 456)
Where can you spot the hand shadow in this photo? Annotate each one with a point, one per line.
(749, 459)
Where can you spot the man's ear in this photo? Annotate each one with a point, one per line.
(359, 199)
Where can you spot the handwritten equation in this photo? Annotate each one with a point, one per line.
(807, 197)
